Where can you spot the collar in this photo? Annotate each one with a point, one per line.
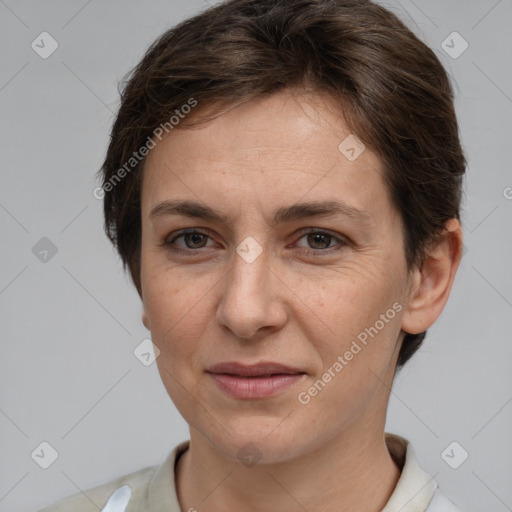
(415, 488)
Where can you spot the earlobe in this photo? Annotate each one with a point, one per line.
(145, 319)
(431, 285)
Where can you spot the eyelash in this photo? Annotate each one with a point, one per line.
(168, 243)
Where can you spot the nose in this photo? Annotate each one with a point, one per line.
(253, 302)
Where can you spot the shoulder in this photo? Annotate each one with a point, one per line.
(93, 500)
(440, 503)
(150, 489)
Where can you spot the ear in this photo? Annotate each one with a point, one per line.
(145, 319)
(431, 285)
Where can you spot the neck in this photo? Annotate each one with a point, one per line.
(353, 471)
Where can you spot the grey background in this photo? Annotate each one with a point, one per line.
(68, 375)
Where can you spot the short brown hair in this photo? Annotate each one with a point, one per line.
(394, 93)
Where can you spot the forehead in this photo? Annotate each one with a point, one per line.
(278, 148)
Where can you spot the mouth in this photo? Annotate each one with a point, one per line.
(257, 381)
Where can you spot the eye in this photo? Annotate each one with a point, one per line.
(322, 242)
(318, 242)
(192, 238)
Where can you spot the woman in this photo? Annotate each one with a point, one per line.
(283, 183)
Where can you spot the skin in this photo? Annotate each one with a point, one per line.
(289, 306)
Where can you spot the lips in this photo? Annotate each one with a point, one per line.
(253, 370)
(252, 382)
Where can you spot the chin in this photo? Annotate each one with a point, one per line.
(259, 451)
(250, 440)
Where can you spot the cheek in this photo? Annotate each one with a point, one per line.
(167, 292)
(345, 302)
(356, 361)
(171, 305)
(177, 312)
(359, 323)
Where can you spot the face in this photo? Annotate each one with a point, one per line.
(263, 243)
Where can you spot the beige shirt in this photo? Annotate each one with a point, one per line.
(153, 489)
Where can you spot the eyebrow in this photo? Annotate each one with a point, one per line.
(284, 214)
